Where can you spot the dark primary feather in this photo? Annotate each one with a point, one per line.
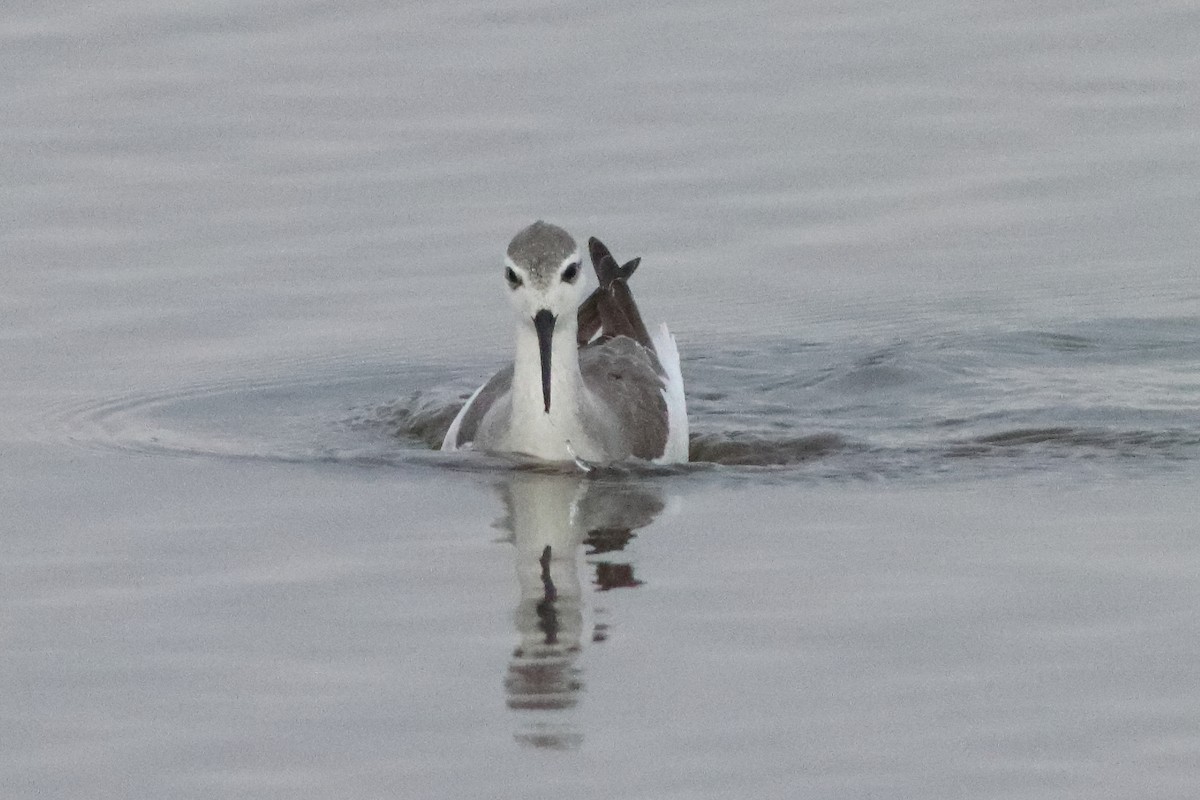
(606, 266)
(610, 310)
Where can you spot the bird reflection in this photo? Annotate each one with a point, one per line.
(549, 517)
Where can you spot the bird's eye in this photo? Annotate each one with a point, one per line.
(570, 273)
(514, 280)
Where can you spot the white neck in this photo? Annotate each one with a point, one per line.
(557, 435)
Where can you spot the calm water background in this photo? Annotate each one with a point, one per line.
(934, 274)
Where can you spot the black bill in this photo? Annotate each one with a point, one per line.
(543, 323)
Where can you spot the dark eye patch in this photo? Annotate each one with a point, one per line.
(514, 280)
(571, 273)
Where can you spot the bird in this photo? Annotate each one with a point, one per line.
(588, 383)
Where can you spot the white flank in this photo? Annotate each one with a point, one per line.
(677, 422)
(451, 438)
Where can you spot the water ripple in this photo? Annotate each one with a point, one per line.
(969, 404)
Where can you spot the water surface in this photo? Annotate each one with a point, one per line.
(933, 275)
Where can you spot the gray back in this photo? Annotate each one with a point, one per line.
(627, 377)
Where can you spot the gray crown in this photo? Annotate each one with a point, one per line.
(541, 248)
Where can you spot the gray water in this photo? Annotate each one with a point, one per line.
(933, 272)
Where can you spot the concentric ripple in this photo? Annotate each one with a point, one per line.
(903, 409)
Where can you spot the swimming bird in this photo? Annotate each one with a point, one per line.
(588, 382)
